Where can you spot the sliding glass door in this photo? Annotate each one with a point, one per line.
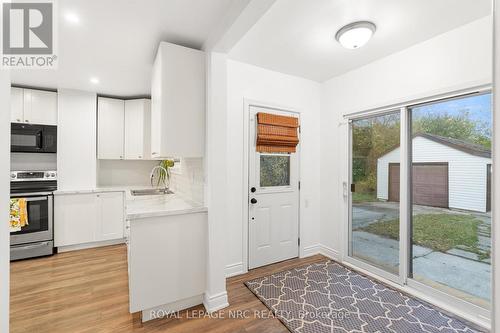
(420, 197)
(374, 230)
(451, 217)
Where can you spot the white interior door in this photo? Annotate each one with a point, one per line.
(273, 201)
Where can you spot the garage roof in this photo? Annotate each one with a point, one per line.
(466, 147)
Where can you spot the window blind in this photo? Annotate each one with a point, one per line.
(276, 133)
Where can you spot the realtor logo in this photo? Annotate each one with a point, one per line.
(28, 31)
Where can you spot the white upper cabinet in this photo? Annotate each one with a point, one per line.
(33, 106)
(16, 105)
(124, 129)
(178, 102)
(137, 129)
(40, 107)
(110, 124)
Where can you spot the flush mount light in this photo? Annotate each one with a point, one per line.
(94, 80)
(355, 35)
(72, 18)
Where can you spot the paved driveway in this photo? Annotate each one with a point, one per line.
(366, 213)
(469, 277)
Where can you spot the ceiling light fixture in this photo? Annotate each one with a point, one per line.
(72, 18)
(94, 80)
(355, 35)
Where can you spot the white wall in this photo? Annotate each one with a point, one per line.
(76, 139)
(466, 173)
(249, 82)
(4, 198)
(455, 60)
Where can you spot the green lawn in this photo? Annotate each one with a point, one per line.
(364, 197)
(440, 232)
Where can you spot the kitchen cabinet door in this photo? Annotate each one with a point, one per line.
(40, 107)
(110, 123)
(75, 219)
(111, 216)
(178, 102)
(16, 105)
(156, 93)
(137, 131)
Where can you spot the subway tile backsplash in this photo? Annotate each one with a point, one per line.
(189, 181)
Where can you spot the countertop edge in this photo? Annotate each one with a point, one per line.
(93, 190)
(144, 215)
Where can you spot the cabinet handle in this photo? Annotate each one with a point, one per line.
(27, 121)
(140, 156)
(18, 120)
(153, 153)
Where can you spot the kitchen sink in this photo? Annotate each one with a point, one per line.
(151, 191)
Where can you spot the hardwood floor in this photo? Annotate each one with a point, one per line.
(87, 291)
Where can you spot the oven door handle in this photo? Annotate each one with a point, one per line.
(36, 199)
(25, 195)
(33, 246)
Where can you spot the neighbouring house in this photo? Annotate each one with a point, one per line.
(447, 173)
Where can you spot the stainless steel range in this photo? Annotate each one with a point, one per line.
(35, 237)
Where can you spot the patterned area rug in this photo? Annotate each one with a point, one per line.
(328, 297)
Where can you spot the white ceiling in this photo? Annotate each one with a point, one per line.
(116, 41)
(297, 37)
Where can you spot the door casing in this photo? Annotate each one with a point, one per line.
(246, 184)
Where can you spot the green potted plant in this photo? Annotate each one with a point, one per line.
(162, 176)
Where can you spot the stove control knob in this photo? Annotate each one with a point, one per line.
(53, 175)
(13, 176)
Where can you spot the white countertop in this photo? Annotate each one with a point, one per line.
(140, 207)
(101, 189)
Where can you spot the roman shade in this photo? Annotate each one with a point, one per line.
(276, 134)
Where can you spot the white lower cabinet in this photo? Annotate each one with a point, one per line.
(74, 219)
(88, 217)
(111, 219)
(167, 262)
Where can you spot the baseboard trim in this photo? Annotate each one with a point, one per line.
(329, 252)
(215, 302)
(84, 246)
(168, 310)
(234, 269)
(320, 249)
(311, 250)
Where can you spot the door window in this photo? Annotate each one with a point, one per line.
(274, 170)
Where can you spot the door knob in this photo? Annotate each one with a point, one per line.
(253, 189)
(254, 201)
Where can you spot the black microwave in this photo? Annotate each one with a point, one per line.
(33, 138)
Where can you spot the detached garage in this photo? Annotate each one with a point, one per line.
(447, 173)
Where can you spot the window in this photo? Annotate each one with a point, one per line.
(274, 170)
